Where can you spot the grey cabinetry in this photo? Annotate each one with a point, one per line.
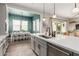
(3, 46)
(75, 54)
(42, 50)
(56, 51)
(32, 43)
(38, 46)
(1, 50)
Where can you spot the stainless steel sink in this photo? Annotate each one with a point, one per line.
(44, 36)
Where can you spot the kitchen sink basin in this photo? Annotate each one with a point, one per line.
(44, 36)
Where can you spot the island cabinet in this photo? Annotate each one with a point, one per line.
(39, 46)
(42, 48)
(32, 43)
(75, 54)
(54, 50)
(1, 50)
(3, 46)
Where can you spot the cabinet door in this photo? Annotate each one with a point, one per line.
(54, 51)
(36, 48)
(75, 54)
(1, 50)
(32, 43)
(42, 51)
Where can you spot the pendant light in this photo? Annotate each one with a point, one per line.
(44, 12)
(76, 9)
(54, 15)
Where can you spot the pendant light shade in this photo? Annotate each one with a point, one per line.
(44, 19)
(76, 9)
(54, 15)
(44, 12)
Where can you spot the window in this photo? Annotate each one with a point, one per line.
(19, 25)
(37, 24)
(33, 25)
(16, 25)
(24, 25)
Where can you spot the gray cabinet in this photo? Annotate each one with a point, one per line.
(75, 54)
(57, 51)
(3, 46)
(1, 50)
(42, 50)
(39, 46)
(32, 43)
(36, 46)
(42, 47)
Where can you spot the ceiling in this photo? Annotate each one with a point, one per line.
(21, 12)
(62, 9)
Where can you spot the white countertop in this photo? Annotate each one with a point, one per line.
(70, 43)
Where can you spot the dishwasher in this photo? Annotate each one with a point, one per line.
(57, 51)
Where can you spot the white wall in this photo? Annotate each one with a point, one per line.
(2, 18)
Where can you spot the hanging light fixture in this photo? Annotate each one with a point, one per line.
(54, 15)
(44, 12)
(76, 9)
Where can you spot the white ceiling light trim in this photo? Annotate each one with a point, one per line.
(75, 10)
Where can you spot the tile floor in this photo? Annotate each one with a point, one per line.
(21, 48)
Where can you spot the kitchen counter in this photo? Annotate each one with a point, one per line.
(70, 43)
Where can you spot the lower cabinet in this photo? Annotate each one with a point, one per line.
(32, 43)
(43, 48)
(75, 54)
(38, 47)
(42, 51)
(3, 47)
(1, 50)
(57, 51)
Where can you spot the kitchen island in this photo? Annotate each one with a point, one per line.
(67, 45)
